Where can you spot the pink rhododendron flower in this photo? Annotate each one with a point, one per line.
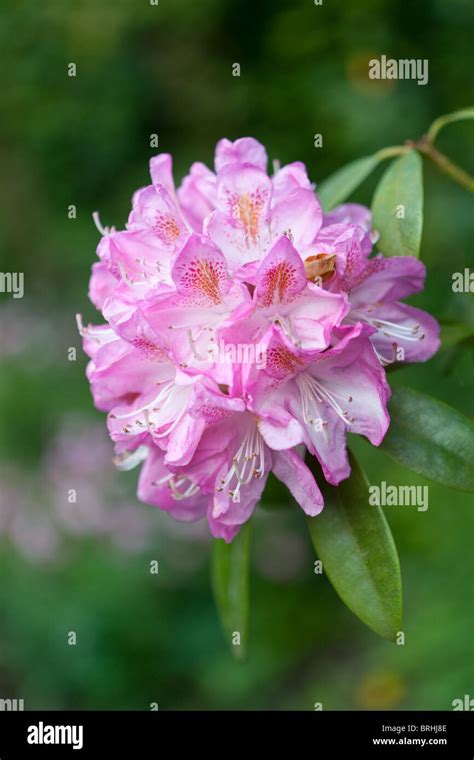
(375, 286)
(242, 327)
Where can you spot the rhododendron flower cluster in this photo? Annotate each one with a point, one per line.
(243, 327)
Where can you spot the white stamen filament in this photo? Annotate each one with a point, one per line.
(127, 460)
(164, 393)
(178, 495)
(385, 361)
(152, 426)
(164, 398)
(192, 342)
(80, 326)
(287, 327)
(314, 393)
(175, 484)
(94, 332)
(247, 463)
(389, 329)
(103, 230)
(134, 283)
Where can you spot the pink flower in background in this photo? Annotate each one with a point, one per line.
(45, 526)
(243, 326)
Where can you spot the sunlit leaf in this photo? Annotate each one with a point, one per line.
(397, 207)
(338, 186)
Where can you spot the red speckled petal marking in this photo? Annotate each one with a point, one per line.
(281, 275)
(247, 209)
(281, 362)
(166, 227)
(276, 282)
(200, 271)
(148, 348)
(244, 194)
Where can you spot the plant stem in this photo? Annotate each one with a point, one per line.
(441, 121)
(393, 150)
(426, 148)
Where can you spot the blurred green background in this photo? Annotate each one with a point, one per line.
(84, 567)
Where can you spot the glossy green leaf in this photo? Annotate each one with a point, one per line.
(454, 333)
(338, 186)
(230, 581)
(397, 207)
(354, 543)
(431, 438)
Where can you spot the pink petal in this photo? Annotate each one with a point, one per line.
(281, 275)
(356, 385)
(298, 216)
(200, 271)
(245, 150)
(161, 171)
(154, 488)
(388, 279)
(289, 178)
(198, 195)
(155, 211)
(298, 478)
(101, 284)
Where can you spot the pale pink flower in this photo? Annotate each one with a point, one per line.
(238, 262)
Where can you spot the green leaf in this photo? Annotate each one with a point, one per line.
(230, 581)
(438, 124)
(354, 542)
(453, 333)
(397, 207)
(338, 186)
(431, 438)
